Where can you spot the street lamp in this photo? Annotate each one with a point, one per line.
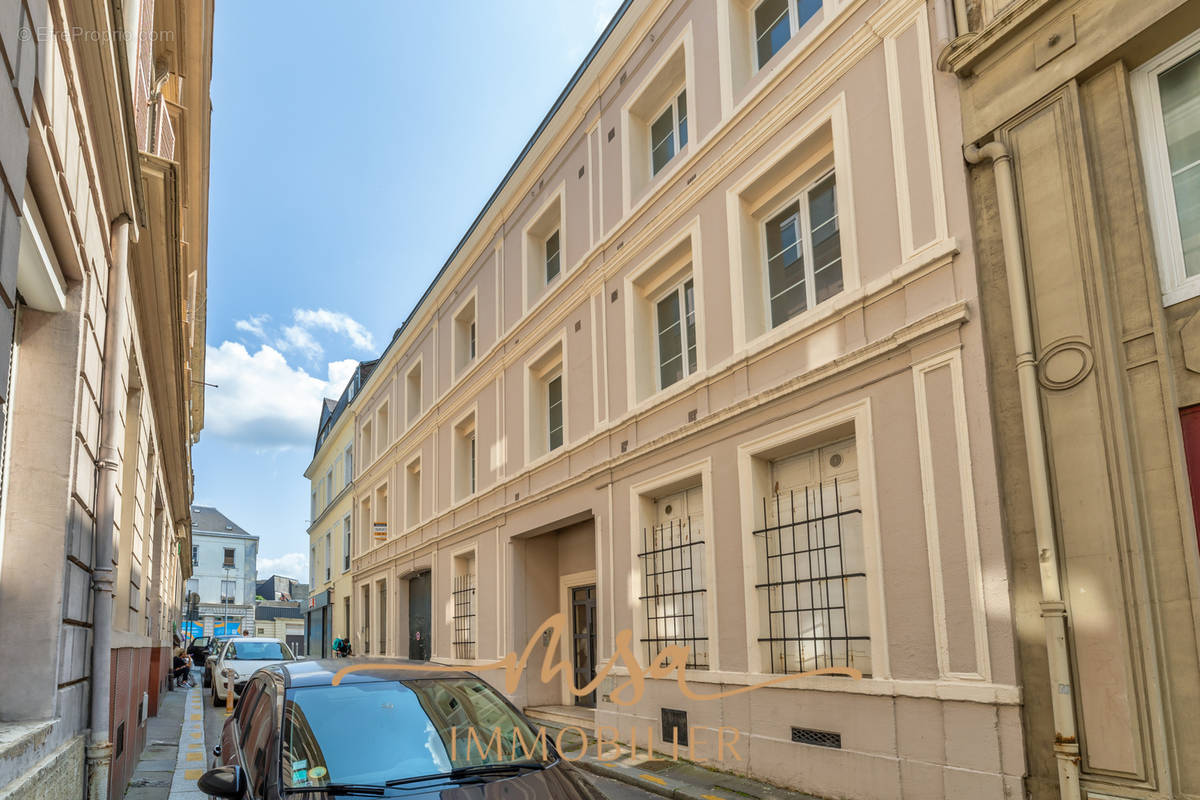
(225, 598)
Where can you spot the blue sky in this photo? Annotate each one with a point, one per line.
(350, 151)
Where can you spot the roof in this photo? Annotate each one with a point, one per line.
(331, 410)
(320, 672)
(262, 612)
(206, 519)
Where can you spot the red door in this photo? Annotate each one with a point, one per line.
(1190, 419)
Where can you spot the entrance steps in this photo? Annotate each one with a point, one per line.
(563, 717)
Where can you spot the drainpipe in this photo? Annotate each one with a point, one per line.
(99, 751)
(1054, 610)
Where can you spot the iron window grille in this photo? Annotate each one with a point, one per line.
(812, 589)
(464, 616)
(673, 590)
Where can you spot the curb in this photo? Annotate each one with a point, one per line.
(663, 787)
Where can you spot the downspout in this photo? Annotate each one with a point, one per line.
(1054, 610)
(99, 751)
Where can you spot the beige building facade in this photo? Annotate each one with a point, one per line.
(708, 368)
(330, 535)
(1083, 122)
(105, 394)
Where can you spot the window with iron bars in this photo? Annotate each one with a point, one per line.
(673, 590)
(464, 615)
(815, 590)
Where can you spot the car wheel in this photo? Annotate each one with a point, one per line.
(207, 680)
(216, 701)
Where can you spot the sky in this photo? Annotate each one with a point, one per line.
(352, 146)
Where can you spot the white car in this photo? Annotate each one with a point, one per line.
(241, 656)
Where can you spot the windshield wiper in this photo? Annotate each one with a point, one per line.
(471, 772)
(363, 789)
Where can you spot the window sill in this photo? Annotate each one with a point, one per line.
(1185, 291)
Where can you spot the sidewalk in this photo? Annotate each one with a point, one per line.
(174, 756)
(682, 780)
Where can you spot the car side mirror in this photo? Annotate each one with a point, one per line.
(229, 782)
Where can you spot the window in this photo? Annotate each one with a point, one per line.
(464, 615)
(312, 565)
(312, 506)
(195, 555)
(381, 429)
(412, 498)
(552, 256)
(787, 252)
(465, 468)
(329, 487)
(346, 545)
(348, 466)
(366, 618)
(464, 332)
(546, 395)
(229, 591)
(657, 121)
(367, 439)
(673, 574)
(804, 252)
(668, 133)
(1167, 97)
(812, 578)
(381, 511)
(776, 21)
(229, 558)
(662, 340)
(328, 555)
(545, 246)
(412, 394)
(554, 406)
(383, 617)
(675, 315)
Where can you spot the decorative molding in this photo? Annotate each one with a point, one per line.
(1065, 363)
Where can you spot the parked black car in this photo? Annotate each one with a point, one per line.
(198, 650)
(382, 732)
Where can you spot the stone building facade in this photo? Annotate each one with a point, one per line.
(1083, 124)
(103, 236)
(708, 368)
(224, 574)
(330, 539)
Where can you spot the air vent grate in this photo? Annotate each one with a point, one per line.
(818, 738)
(674, 726)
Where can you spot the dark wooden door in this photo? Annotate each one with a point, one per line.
(419, 601)
(583, 641)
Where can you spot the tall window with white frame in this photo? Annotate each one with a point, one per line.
(675, 318)
(668, 132)
(776, 22)
(412, 495)
(554, 412)
(312, 565)
(195, 555)
(329, 486)
(804, 252)
(1167, 93)
(464, 458)
(348, 466)
(346, 544)
(553, 256)
(328, 555)
(464, 606)
(464, 336)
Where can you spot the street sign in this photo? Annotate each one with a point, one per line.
(380, 531)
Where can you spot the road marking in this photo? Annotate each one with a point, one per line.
(654, 778)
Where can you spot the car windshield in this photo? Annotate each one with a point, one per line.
(391, 730)
(257, 651)
(200, 641)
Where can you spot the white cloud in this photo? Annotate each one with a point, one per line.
(337, 322)
(289, 565)
(254, 325)
(300, 340)
(263, 402)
